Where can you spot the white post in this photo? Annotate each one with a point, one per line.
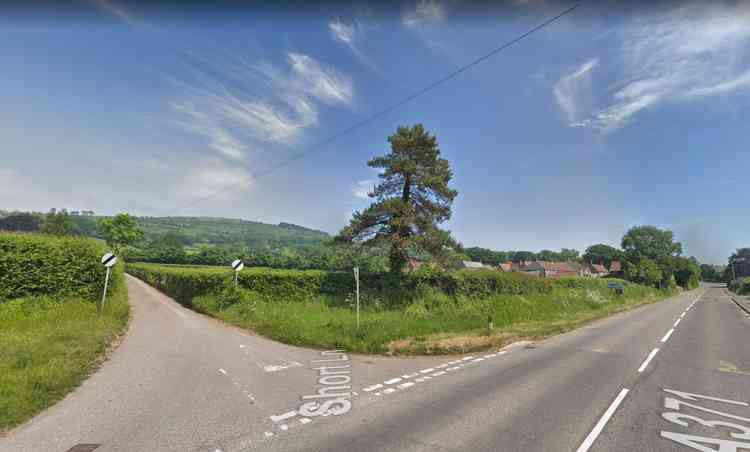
(235, 278)
(106, 282)
(356, 278)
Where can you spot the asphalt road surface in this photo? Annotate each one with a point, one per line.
(673, 375)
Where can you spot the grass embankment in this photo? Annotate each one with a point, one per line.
(51, 333)
(300, 308)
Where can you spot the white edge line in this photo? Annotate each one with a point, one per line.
(589, 441)
(666, 336)
(648, 359)
(677, 322)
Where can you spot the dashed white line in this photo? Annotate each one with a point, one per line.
(467, 358)
(389, 391)
(406, 385)
(305, 420)
(677, 322)
(223, 371)
(437, 374)
(589, 441)
(284, 427)
(682, 315)
(426, 371)
(373, 387)
(392, 381)
(453, 368)
(666, 336)
(648, 359)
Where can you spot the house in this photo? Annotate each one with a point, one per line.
(615, 269)
(550, 269)
(505, 266)
(598, 270)
(474, 265)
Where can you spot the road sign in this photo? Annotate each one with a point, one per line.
(237, 265)
(108, 260)
(614, 285)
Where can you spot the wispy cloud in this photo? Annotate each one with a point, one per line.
(211, 178)
(114, 9)
(572, 88)
(237, 104)
(425, 11)
(363, 188)
(351, 35)
(690, 52)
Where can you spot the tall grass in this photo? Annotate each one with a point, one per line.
(425, 324)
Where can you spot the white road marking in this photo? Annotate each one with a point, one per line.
(284, 416)
(648, 359)
(437, 374)
(426, 371)
(389, 390)
(223, 371)
(406, 385)
(491, 355)
(392, 381)
(477, 360)
(666, 336)
(420, 380)
(677, 322)
(268, 434)
(442, 366)
(305, 420)
(453, 368)
(373, 387)
(278, 367)
(467, 358)
(682, 315)
(284, 427)
(589, 441)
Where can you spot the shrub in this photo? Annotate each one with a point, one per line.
(35, 264)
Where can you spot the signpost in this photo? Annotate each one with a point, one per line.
(108, 260)
(237, 265)
(356, 280)
(619, 288)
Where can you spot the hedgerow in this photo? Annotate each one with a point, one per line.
(34, 265)
(183, 283)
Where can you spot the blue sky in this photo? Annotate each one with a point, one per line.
(611, 117)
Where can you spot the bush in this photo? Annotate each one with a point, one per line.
(740, 286)
(33, 265)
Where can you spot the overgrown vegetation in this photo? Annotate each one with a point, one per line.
(51, 330)
(427, 312)
(740, 286)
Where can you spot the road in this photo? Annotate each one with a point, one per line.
(184, 382)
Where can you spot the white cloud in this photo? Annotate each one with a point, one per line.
(425, 11)
(216, 179)
(689, 52)
(350, 35)
(235, 103)
(116, 10)
(570, 89)
(362, 188)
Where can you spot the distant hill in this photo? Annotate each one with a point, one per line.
(194, 231)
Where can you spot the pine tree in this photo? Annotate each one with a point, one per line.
(411, 199)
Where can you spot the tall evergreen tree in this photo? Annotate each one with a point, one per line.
(411, 199)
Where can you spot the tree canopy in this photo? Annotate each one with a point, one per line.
(59, 223)
(411, 199)
(119, 231)
(25, 222)
(602, 254)
(650, 242)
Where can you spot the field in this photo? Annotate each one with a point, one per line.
(51, 330)
(448, 315)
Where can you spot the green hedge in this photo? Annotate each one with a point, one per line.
(34, 265)
(740, 286)
(184, 283)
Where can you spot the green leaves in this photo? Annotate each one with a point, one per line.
(33, 265)
(119, 231)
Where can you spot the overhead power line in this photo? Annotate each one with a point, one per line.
(317, 146)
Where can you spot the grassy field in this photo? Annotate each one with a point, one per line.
(433, 324)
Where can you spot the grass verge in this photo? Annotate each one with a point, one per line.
(434, 323)
(48, 348)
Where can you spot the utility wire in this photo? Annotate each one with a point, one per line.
(298, 155)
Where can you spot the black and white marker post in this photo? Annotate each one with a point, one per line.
(108, 260)
(237, 265)
(356, 279)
